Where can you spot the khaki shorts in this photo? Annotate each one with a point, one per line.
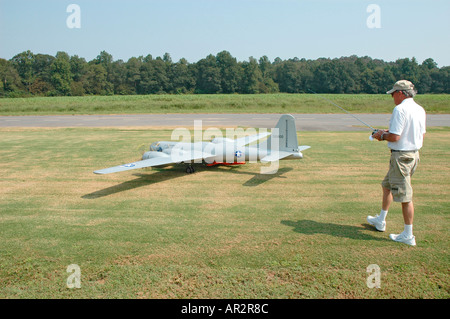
(402, 166)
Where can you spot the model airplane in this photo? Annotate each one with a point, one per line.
(222, 151)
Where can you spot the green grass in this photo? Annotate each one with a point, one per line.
(259, 103)
(220, 233)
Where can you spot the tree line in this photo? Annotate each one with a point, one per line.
(29, 74)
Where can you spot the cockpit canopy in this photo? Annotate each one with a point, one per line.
(162, 146)
(156, 147)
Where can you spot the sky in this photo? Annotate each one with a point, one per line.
(193, 29)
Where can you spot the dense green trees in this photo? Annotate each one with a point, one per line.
(29, 74)
(60, 74)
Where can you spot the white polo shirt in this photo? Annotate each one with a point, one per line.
(409, 121)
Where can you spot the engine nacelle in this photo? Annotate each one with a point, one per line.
(153, 154)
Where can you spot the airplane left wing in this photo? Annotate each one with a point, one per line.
(180, 156)
(135, 165)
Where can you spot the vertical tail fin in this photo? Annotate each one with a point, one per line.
(287, 134)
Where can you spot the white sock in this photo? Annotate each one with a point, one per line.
(383, 214)
(408, 231)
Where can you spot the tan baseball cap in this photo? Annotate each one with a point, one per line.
(401, 85)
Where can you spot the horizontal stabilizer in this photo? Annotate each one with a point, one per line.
(303, 147)
(275, 156)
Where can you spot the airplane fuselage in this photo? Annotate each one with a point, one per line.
(251, 148)
(223, 151)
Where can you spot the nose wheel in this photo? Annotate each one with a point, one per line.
(190, 169)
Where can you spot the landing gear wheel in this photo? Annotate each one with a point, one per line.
(190, 169)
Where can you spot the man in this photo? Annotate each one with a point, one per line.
(405, 138)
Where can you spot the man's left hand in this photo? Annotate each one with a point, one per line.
(378, 134)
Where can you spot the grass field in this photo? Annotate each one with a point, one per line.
(219, 233)
(216, 103)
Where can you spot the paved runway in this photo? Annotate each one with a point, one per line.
(305, 122)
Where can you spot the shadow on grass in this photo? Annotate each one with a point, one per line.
(310, 227)
(142, 180)
(173, 173)
(257, 178)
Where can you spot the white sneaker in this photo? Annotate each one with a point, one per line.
(401, 238)
(380, 225)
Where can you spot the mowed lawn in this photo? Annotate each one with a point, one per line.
(223, 232)
(215, 103)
